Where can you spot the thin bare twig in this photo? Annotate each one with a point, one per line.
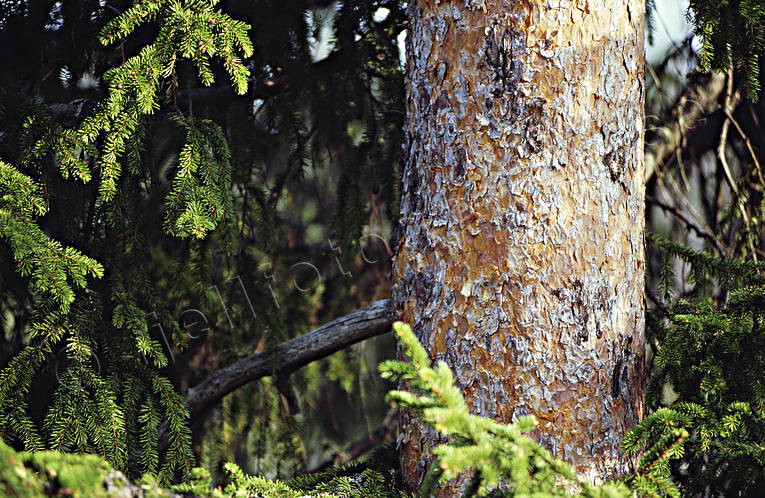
(724, 133)
(748, 146)
(363, 445)
(697, 101)
(678, 194)
(661, 305)
(679, 215)
(729, 105)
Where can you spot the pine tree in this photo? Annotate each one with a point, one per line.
(520, 261)
(137, 196)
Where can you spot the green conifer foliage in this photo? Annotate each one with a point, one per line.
(84, 415)
(50, 265)
(498, 454)
(732, 34)
(711, 426)
(158, 165)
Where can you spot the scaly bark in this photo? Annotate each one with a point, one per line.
(520, 259)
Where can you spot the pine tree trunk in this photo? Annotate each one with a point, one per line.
(520, 257)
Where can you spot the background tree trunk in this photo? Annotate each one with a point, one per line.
(520, 260)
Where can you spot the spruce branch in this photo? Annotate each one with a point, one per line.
(500, 454)
(53, 268)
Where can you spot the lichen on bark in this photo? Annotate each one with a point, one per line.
(520, 255)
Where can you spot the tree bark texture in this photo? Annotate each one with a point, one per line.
(520, 258)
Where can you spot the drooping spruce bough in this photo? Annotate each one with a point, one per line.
(85, 414)
(139, 194)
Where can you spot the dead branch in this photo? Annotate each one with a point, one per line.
(362, 446)
(688, 223)
(376, 319)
